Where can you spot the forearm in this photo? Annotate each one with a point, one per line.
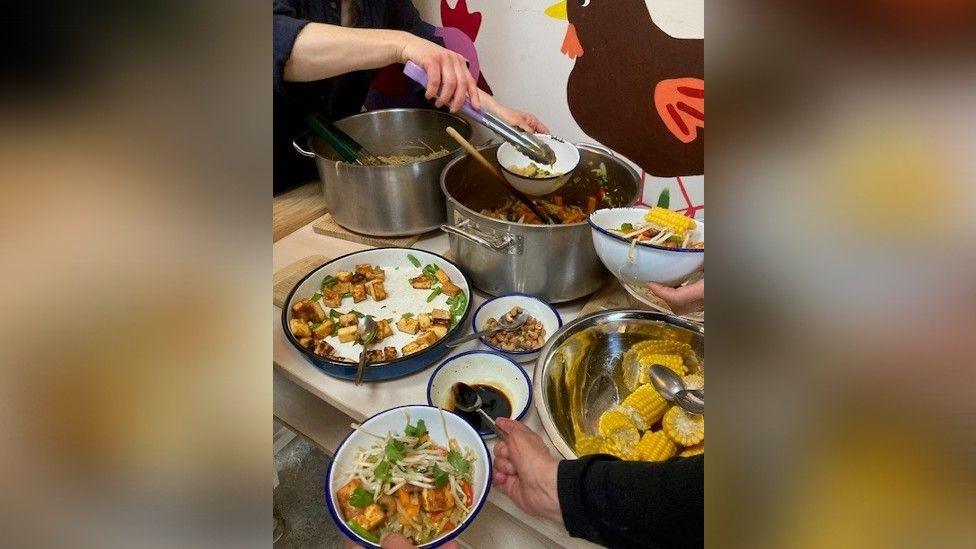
(323, 51)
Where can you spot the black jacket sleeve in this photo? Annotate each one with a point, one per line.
(634, 504)
(287, 25)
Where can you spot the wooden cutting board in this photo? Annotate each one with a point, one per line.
(327, 225)
(285, 279)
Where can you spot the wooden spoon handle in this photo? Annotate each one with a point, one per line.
(498, 175)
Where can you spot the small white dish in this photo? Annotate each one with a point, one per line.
(394, 420)
(482, 368)
(567, 158)
(642, 263)
(499, 306)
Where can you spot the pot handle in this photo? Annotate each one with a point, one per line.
(598, 147)
(506, 244)
(302, 138)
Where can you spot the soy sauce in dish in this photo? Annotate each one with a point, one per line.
(494, 402)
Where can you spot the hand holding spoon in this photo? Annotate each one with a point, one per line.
(467, 399)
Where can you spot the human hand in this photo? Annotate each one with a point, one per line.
(449, 82)
(526, 472)
(684, 299)
(396, 541)
(514, 117)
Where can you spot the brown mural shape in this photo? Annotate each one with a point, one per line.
(637, 89)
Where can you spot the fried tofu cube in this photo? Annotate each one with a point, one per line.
(344, 276)
(324, 330)
(435, 500)
(371, 518)
(375, 355)
(383, 329)
(332, 299)
(376, 274)
(440, 330)
(348, 319)
(343, 495)
(425, 321)
(377, 290)
(348, 334)
(323, 349)
(358, 278)
(450, 289)
(299, 328)
(427, 338)
(440, 314)
(344, 287)
(442, 276)
(364, 269)
(358, 292)
(389, 353)
(408, 325)
(316, 312)
(421, 282)
(299, 309)
(307, 342)
(411, 348)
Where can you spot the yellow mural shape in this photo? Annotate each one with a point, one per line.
(558, 11)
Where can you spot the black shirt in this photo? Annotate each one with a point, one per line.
(634, 504)
(333, 98)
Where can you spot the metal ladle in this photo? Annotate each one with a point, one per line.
(673, 389)
(467, 399)
(502, 326)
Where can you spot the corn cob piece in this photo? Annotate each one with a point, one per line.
(694, 381)
(655, 446)
(682, 427)
(669, 219)
(588, 444)
(624, 452)
(644, 406)
(695, 450)
(618, 428)
(661, 346)
(672, 362)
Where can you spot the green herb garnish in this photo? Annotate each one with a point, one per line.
(435, 293)
(664, 199)
(418, 430)
(316, 296)
(357, 313)
(329, 281)
(458, 304)
(360, 498)
(414, 260)
(457, 461)
(440, 477)
(626, 227)
(383, 472)
(315, 325)
(334, 314)
(345, 294)
(394, 450)
(406, 315)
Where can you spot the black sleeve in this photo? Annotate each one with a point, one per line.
(286, 28)
(634, 504)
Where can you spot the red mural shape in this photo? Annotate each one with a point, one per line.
(460, 18)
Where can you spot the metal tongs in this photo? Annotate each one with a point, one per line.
(525, 143)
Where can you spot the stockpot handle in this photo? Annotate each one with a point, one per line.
(302, 138)
(507, 244)
(598, 147)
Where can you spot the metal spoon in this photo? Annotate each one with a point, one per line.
(467, 399)
(673, 389)
(367, 332)
(502, 326)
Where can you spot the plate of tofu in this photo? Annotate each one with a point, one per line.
(418, 299)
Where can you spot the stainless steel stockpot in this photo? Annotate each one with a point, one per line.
(554, 262)
(387, 200)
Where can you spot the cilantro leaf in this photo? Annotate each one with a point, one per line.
(383, 472)
(418, 430)
(457, 461)
(439, 476)
(360, 498)
(394, 450)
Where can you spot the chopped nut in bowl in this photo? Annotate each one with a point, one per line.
(524, 343)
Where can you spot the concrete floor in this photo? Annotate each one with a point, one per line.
(301, 470)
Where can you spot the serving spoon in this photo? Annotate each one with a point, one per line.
(673, 389)
(367, 332)
(467, 399)
(503, 326)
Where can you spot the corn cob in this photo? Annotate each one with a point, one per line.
(618, 428)
(669, 219)
(661, 346)
(672, 362)
(682, 427)
(695, 450)
(694, 381)
(626, 452)
(587, 444)
(644, 406)
(655, 446)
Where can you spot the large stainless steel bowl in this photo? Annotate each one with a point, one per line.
(580, 372)
(387, 200)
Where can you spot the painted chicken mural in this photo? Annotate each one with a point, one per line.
(634, 87)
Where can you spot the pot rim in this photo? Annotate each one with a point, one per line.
(528, 226)
(469, 130)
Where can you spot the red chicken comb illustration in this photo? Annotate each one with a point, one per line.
(460, 18)
(680, 102)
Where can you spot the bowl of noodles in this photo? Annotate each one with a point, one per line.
(533, 178)
(418, 471)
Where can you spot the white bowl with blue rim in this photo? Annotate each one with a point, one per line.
(567, 159)
(482, 368)
(638, 264)
(394, 421)
(500, 306)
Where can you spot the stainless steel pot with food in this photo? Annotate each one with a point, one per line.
(389, 200)
(591, 364)
(554, 262)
